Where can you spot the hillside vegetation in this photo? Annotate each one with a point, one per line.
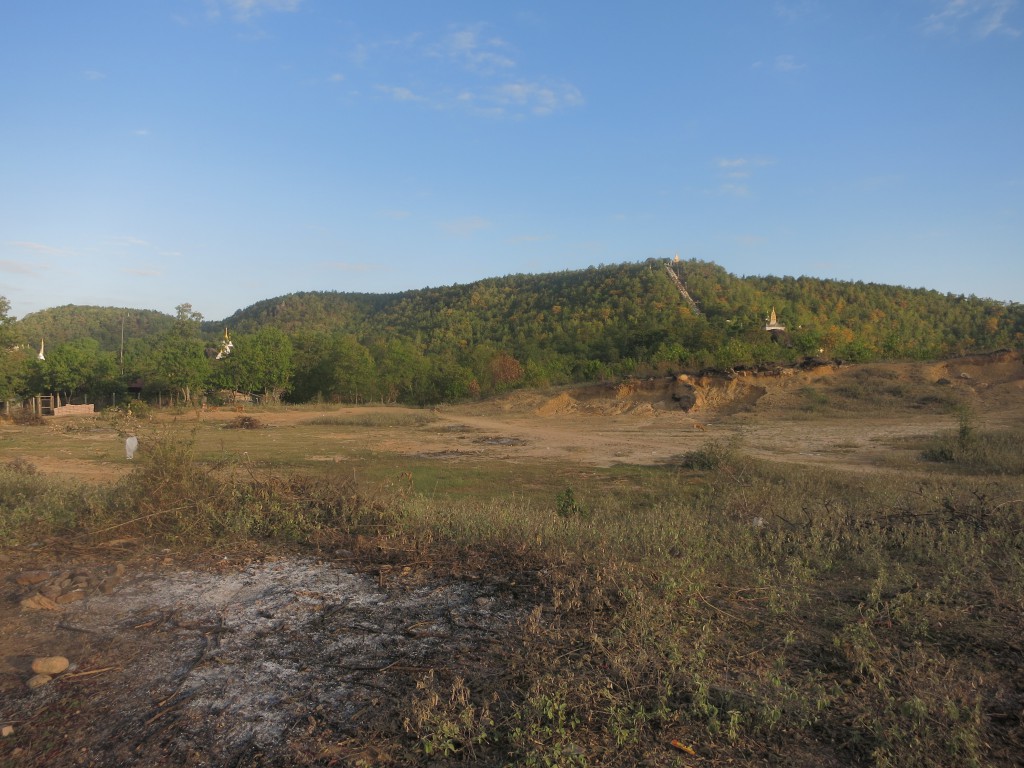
(454, 342)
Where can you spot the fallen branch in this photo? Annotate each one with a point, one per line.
(88, 673)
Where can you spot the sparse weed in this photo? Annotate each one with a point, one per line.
(972, 451)
(711, 456)
(749, 609)
(374, 419)
(445, 721)
(566, 504)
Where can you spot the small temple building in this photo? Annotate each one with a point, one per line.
(771, 323)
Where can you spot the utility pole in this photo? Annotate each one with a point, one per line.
(122, 344)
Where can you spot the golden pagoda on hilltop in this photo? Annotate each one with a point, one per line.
(771, 323)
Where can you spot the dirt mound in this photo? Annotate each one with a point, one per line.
(558, 405)
(648, 397)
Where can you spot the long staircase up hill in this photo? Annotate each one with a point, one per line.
(682, 290)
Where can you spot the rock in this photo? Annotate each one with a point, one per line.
(28, 578)
(7, 730)
(39, 603)
(71, 597)
(50, 665)
(51, 591)
(37, 681)
(109, 584)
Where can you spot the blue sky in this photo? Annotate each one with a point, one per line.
(221, 152)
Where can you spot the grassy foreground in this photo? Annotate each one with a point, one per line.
(723, 611)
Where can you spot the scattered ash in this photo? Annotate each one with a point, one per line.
(214, 667)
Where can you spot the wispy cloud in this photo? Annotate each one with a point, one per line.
(243, 10)
(741, 167)
(538, 98)
(399, 93)
(782, 63)
(40, 249)
(735, 173)
(472, 69)
(471, 49)
(787, 63)
(978, 18)
(93, 74)
(465, 227)
(793, 10)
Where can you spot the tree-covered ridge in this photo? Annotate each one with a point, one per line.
(460, 341)
(858, 320)
(101, 324)
(633, 311)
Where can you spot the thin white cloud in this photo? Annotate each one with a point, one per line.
(477, 72)
(399, 93)
(787, 63)
(731, 189)
(979, 18)
(794, 10)
(468, 47)
(782, 63)
(735, 173)
(41, 249)
(243, 10)
(93, 74)
(537, 98)
(466, 226)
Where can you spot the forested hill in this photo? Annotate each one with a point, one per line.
(446, 343)
(634, 311)
(102, 324)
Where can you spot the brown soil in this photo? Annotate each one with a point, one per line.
(230, 655)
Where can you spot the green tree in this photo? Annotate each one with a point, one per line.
(353, 374)
(78, 367)
(260, 362)
(13, 361)
(180, 355)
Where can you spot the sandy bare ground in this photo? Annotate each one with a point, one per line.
(216, 660)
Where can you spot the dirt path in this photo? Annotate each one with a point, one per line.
(240, 653)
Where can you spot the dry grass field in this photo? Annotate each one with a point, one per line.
(810, 567)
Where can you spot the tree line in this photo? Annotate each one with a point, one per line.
(461, 341)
